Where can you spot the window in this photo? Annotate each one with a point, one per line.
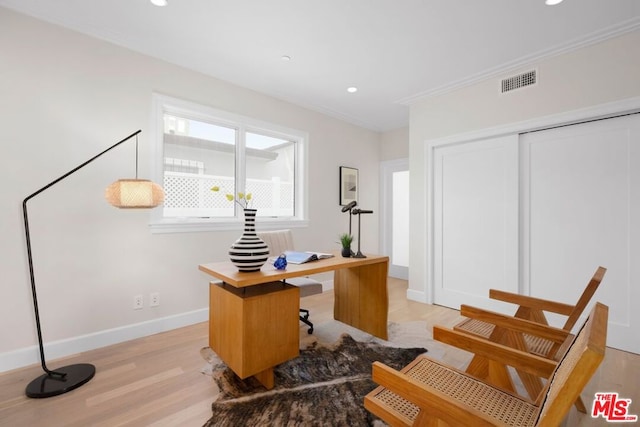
(198, 148)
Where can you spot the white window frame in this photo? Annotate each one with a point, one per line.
(162, 104)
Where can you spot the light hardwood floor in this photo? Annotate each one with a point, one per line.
(157, 380)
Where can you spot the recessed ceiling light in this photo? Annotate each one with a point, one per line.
(552, 2)
(352, 89)
(285, 58)
(160, 3)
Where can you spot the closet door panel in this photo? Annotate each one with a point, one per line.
(475, 221)
(581, 185)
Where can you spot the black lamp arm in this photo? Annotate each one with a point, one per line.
(28, 240)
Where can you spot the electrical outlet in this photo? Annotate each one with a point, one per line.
(138, 302)
(154, 299)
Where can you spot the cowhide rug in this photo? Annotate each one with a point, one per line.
(324, 386)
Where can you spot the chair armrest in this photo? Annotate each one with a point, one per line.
(533, 364)
(430, 400)
(531, 302)
(515, 324)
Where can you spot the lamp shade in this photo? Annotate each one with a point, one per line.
(134, 194)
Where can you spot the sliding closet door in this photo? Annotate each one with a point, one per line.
(475, 220)
(581, 206)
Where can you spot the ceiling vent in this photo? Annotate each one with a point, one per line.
(519, 81)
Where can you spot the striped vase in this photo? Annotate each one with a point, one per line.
(249, 252)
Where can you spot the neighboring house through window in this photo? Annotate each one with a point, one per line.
(198, 148)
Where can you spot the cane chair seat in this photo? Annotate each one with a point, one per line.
(505, 407)
(535, 345)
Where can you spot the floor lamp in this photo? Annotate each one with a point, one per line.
(124, 193)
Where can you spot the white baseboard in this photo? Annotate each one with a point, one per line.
(419, 296)
(67, 347)
(62, 348)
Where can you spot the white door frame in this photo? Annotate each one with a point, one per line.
(387, 168)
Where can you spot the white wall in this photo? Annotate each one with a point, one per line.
(594, 75)
(64, 98)
(394, 144)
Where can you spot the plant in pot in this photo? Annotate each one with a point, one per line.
(345, 241)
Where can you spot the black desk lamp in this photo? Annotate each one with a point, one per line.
(349, 207)
(360, 212)
(124, 193)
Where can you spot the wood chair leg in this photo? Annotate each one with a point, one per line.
(492, 372)
(478, 367)
(531, 383)
(579, 404)
(499, 375)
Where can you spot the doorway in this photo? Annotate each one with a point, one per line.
(394, 216)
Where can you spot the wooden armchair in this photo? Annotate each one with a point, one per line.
(523, 331)
(511, 331)
(430, 393)
(533, 309)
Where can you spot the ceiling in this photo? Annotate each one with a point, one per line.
(393, 51)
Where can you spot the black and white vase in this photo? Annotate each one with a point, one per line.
(249, 252)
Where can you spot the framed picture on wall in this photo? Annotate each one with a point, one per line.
(348, 185)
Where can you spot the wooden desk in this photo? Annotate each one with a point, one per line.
(242, 309)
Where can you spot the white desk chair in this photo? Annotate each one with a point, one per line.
(278, 242)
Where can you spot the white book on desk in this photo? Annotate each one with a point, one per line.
(295, 257)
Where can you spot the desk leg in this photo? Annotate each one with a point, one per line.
(266, 378)
(361, 297)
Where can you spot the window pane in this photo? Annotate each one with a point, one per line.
(200, 148)
(197, 157)
(270, 169)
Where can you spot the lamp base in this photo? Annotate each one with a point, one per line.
(49, 385)
(359, 255)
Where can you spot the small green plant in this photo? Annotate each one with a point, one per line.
(243, 199)
(345, 240)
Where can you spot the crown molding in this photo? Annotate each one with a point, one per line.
(528, 60)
